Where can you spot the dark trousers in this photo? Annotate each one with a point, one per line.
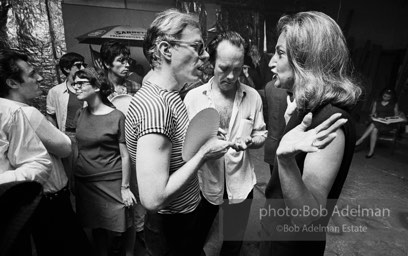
(235, 220)
(173, 234)
(56, 230)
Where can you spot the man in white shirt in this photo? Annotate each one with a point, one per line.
(60, 111)
(22, 155)
(62, 105)
(228, 181)
(54, 224)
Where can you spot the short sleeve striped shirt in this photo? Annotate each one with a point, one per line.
(155, 110)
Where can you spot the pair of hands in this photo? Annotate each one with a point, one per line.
(240, 144)
(127, 197)
(299, 140)
(217, 147)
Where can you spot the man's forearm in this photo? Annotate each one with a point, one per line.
(52, 119)
(257, 141)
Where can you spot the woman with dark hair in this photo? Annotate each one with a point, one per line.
(385, 106)
(314, 155)
(103, 167)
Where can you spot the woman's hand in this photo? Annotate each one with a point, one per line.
(298, 139)
(127, 196)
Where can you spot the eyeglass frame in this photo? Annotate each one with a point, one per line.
(79, 64)
(194, 45)
(80, 84)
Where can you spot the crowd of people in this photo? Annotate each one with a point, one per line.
(126, 172)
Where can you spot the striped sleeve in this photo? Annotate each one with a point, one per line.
(155, 118)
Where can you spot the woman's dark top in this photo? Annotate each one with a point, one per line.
(98, 139)
(309, 243)
(385, 111)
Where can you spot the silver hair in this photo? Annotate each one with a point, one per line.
(168, 25)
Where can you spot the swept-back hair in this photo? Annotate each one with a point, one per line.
(167, 25)
(318, 55)
(9, 68)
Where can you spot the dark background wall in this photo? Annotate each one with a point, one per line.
(376, 30)
(81, 17)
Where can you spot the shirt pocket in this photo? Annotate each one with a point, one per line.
(245, 128)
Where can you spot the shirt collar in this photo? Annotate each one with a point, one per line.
(241, 90)
(18, 103)
(66, 87)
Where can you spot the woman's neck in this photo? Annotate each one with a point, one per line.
(96, 106)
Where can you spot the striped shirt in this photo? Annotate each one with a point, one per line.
(155, 110)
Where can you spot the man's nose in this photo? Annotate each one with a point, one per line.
(205, 56)
(230, 75)
(39, 78)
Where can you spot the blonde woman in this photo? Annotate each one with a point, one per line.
(315, 153)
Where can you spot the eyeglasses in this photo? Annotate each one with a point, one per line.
(80, 64)
(197, 46)
(80, 84)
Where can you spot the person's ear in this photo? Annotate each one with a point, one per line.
(67, 70)
(106, 65)
(13, 84)
(164, 49)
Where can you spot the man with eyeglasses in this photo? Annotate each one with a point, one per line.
(156, 124)
(115, 59)
(228, 182)
(62, 105)
(199, 48)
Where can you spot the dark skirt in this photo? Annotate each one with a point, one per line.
(99, 205)
(384, 128)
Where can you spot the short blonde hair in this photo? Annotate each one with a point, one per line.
(168, 25)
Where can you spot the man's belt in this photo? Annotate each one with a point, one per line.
(55, 195)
